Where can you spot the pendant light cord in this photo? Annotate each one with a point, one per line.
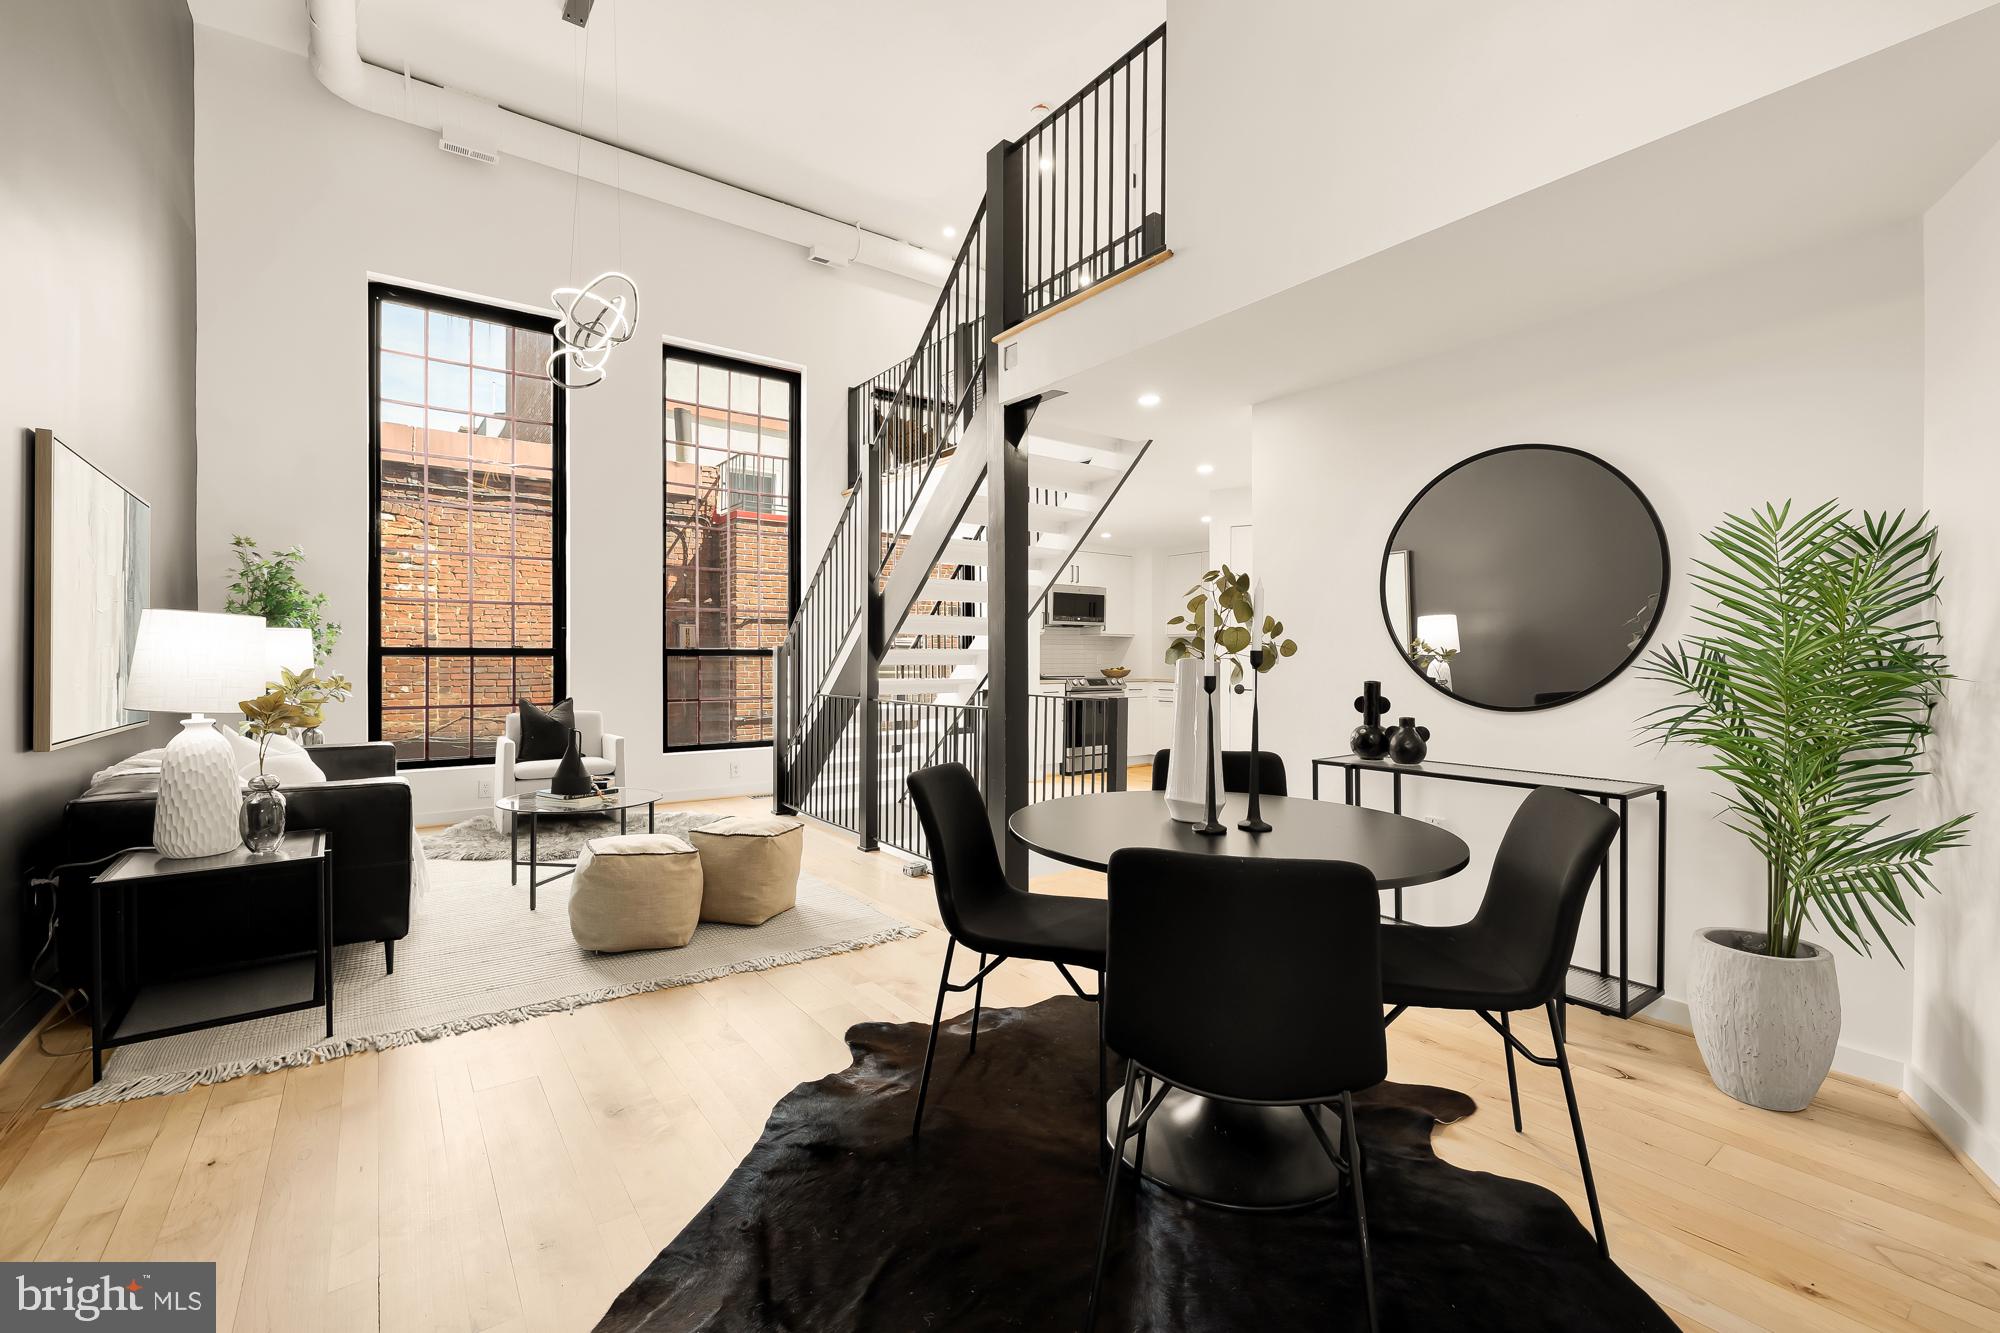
(576, 193)
(617, 148)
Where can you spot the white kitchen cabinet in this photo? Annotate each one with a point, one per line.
(1113, 573)
(1151, 713)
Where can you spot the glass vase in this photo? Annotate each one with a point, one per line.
(263, 818)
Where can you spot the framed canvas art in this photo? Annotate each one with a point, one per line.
(93, 563)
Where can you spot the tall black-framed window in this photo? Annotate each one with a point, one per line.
(466, 447)
(730, 451)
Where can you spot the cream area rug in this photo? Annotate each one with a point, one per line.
(558, 837)
(476, 957)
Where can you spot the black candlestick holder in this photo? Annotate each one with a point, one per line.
(1211, 826)
(1254, 823)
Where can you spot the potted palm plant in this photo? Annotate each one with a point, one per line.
(1810, 681)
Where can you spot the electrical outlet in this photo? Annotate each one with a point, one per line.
(1437, 822)
(485, 788)
(735, 768)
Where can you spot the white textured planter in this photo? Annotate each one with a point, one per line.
(1767, 1027)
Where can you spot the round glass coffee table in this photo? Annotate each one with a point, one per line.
(529, 808)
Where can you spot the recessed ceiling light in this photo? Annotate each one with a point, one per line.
(1149, 400)
(1104, 536)
(1204, 469)
(950, 232)
(1047, 163)
(1205, 518)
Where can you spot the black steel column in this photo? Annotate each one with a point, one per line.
(1115, 732)
(1007, 753)
(868, 715)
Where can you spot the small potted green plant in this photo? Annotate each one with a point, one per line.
(1810, 681)
(266, 717)
(270, 586)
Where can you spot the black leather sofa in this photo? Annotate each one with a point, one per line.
(363, 807)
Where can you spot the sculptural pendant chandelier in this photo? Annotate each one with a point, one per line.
(595, 318)
(604, 312)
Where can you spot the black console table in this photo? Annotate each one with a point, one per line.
(1596, 988)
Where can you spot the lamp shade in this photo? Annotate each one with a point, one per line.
(1439, 631)
(196, 662)
(286, 649)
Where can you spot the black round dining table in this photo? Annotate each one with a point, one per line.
(1229, 1153)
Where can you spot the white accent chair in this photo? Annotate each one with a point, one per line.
(603, 755)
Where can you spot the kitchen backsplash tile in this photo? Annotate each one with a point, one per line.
(1075, 652)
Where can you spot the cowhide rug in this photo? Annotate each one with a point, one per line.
(835, 1223)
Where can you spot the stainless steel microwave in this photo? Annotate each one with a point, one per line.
(1074, 605)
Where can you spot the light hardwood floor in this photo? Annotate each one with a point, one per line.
(517, 1178)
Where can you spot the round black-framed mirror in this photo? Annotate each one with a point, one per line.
(1524, 577)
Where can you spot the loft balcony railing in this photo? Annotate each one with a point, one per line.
(1093, 179)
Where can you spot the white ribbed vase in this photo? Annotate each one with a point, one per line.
(1767, 1027)
(1187, 774)
(200, 802)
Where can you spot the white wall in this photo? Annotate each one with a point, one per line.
(302, 199)
(1799, 378)
(1349, 127)
(1955, 1057)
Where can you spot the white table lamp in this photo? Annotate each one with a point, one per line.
(197, 662)
(1440, 632)
(286, 649)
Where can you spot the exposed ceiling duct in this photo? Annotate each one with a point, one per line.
(333, 50)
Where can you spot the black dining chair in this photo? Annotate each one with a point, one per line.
(1514, 953)
(1235, 771)
(982, 911)
(1276, 1000)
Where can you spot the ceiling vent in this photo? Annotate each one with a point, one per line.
(471, 128)
(473, 151)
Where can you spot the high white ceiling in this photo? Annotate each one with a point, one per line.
(1790, 172)
(871, 111)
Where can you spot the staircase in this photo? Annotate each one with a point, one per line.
(886, 665)
(940, 649)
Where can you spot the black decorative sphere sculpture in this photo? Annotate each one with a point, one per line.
(1369, 740)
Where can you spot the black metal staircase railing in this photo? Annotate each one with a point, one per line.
(1094, 179)
(1076, 744)
(826, 779)
(831, 607)
(907, 433)
(1078, 200)
(921, 422)
(914, 736)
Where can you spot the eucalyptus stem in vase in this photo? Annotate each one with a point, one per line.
(1219, 621)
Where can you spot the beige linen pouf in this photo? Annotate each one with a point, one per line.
(635, 891)
(749, 867)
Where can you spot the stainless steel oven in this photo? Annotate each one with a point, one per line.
(1074, 605)
(1087, 728)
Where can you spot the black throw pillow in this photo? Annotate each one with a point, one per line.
(545, 731)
